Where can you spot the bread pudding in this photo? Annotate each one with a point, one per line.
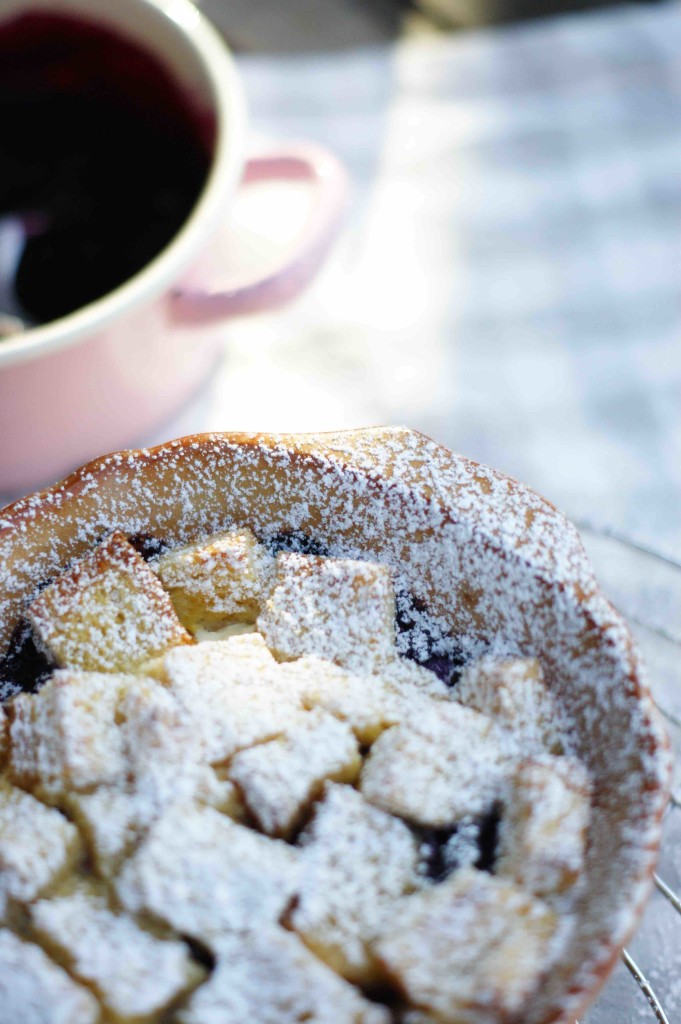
(333, 729)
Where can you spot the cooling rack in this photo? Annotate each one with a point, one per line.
(646, 985)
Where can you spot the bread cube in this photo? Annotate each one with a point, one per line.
(279, 779)
(356, 861)
(33, 990)
(205, 875)
(114, 821)
(232, 692)
(107, 613)
(542, 838)
(250, 648)
(369, 703)
(37, 847)
(469, 950)
(243, 660)
(411, 680)
(365, 702)
(443, 765)
(65, 737)
(134, 973)
(337, 609)
(270, 977)
(513, 693)
(218, 580)
(157, 731)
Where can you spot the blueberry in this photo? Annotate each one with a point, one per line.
(147, 545)
(488, 839)
(24, 665)
(469, 843)
(446, 667)
(418, 643)
(296, 541)
(437, 862)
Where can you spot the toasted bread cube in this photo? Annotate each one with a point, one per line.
(368, 703)
(243, 660)
(272, 978)
(250, 648)
(365, 702)
(114, 821)
(33, 990)
(542, 838)
(356, 861)
(205, 875)
(218, 580)
(410, 679)
(233, 693)
(513, 693)
(446, 764)
(471, 949)
(156, 730)
(134, 973)
(337, 609)
(107, 613)
(37, 846)
(65, 737)
(279, 779)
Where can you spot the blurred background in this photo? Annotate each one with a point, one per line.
(509, 277)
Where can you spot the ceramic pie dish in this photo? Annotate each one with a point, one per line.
(487, 563)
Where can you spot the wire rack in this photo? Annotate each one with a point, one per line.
(646, 986)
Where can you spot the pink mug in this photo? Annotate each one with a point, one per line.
(110, 373)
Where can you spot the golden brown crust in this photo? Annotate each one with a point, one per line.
(493, 562)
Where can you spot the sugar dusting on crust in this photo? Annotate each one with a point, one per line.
(496, 567)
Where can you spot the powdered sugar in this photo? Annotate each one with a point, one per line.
(220, 579)
(206, 875)
(340, 610)
(469, 950)
(33, 990)
(37, 846)
(445, 764)
(356, 861)
(273, 979)
(543, 833)
(97, 945)
(108, 611)
(280, 779)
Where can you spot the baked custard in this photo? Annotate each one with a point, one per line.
(332, 730)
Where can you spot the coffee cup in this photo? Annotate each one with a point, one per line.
(90, 362)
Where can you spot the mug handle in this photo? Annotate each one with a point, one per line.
(299, 162)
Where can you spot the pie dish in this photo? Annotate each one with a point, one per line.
(452, 821)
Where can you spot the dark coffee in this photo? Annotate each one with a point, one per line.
(102, 158)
